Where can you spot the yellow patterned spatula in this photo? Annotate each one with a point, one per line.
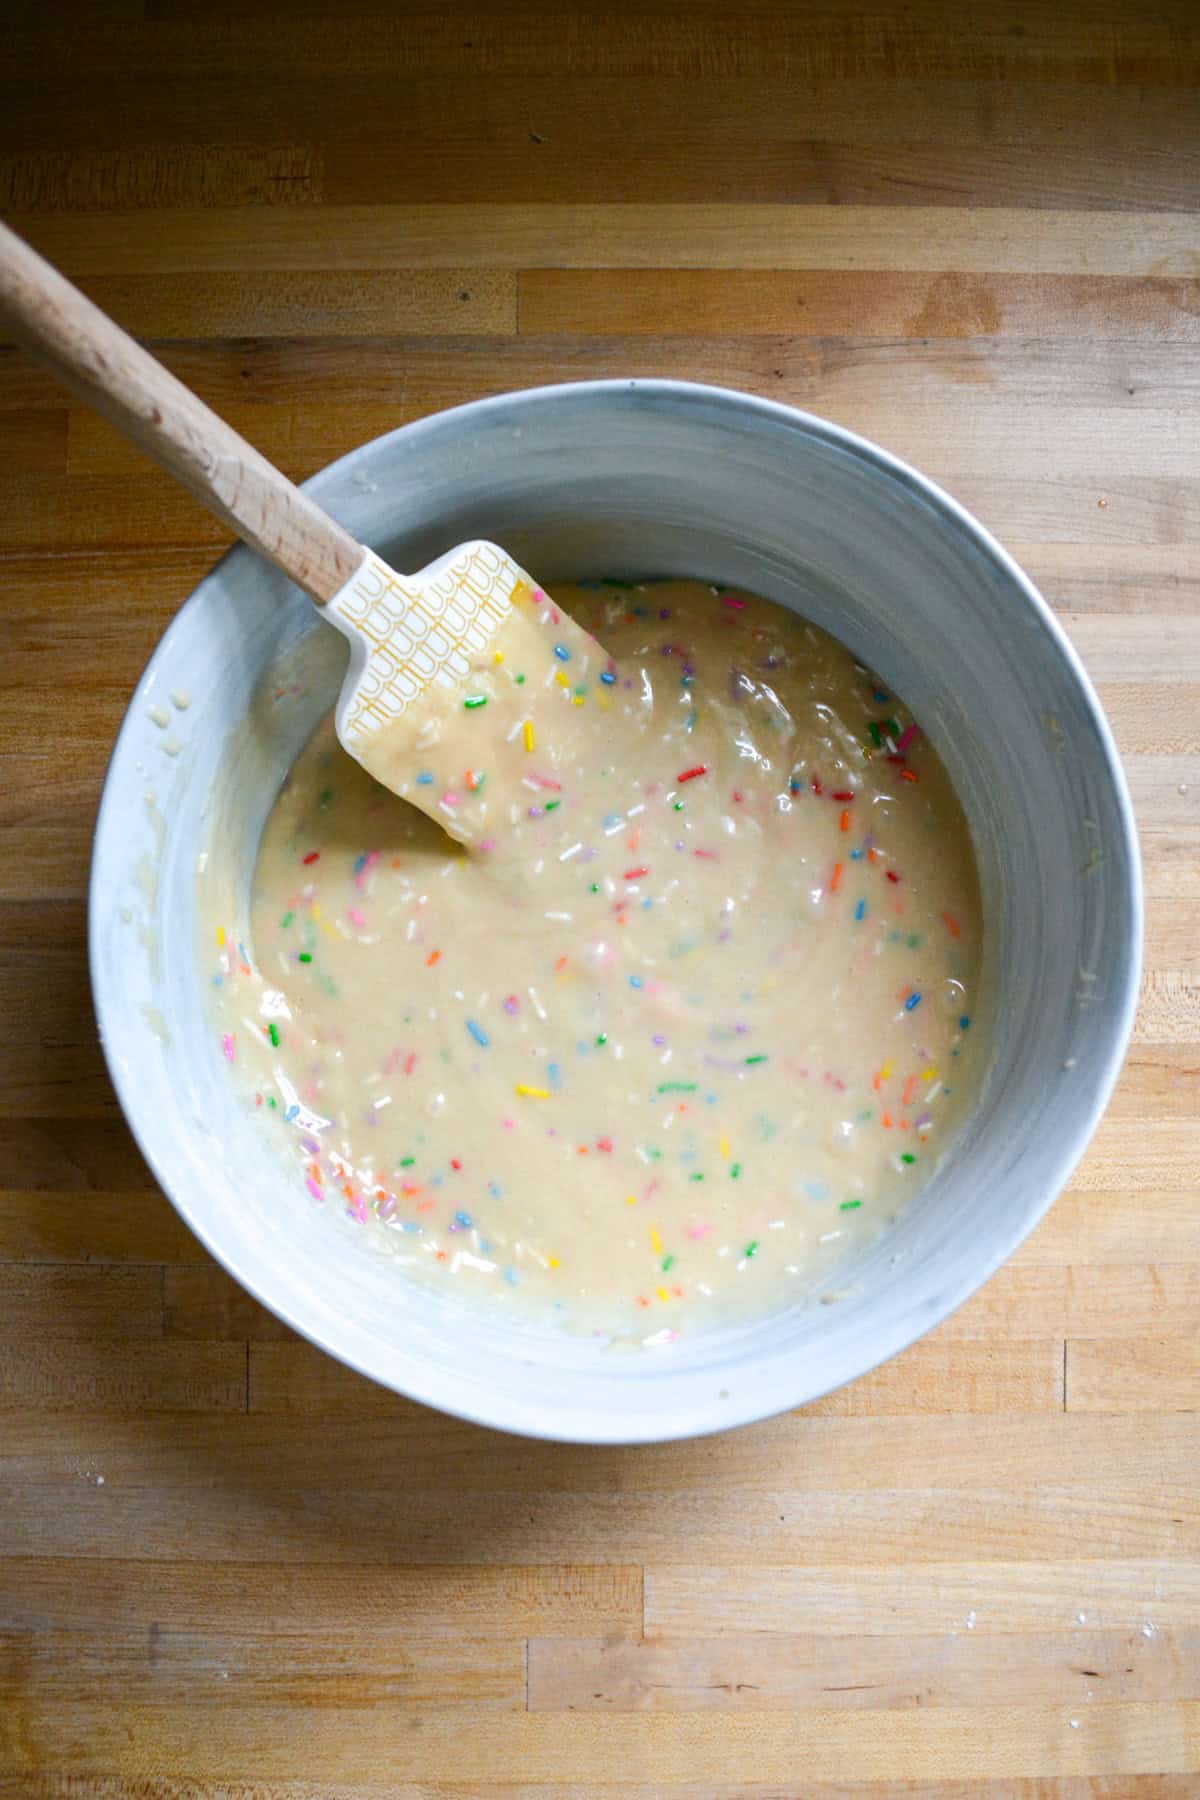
(409, 635)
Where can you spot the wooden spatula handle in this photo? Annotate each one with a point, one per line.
(101, 363)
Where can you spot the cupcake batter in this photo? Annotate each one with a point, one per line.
(685, 1016)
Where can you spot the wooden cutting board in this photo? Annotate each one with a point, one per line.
(227, 1566)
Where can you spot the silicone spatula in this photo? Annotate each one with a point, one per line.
(409, 634)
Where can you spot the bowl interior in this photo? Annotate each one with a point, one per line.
(632, 479)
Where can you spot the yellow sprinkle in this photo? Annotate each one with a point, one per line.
(220, 936)
(579, 699)
(662, 1293)
(885, 1074)
(929, 1074)
(532, 1093)
(562, 680)
(498, 656)
(316, 910)
(724, 1145)
(529, 734)
(655, 1241)
(329, 930)
(521, 592)
(631, 1199)
(554, 1262)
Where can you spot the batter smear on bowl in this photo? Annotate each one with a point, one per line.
(684, 1017)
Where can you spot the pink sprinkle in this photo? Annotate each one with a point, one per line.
(545, 781)
(509, 1124)
(906, 737)
(227, 1046)
(360, 880)
(410, 1062)
(449, 799)
(391, 1061)
(708, 855)
(356, 918)
(487, 844)
(313, 1189)
(733, 603)
(699, 1231)
(604, 1143)
(358, 1208)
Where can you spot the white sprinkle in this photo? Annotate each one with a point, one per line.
(538, 1008)
(565, 917)
(971, 1617)
(566, 855)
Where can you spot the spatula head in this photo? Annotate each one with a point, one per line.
(411, 635)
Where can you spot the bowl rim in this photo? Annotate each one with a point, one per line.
(560, 1421)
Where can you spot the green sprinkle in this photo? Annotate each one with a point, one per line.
(286, 920)
(324, 797)
(593, 887)
(601, 1039)
(273, 1034)
(697, 1176)
(474, 700)
(892, 726)
(406, 1162)
(735, 1170)
(752, 1247)
(271, 1100)
(756, 1059)
(677, 1087)
(581, 692)
(679, 806)
(876, 734)
(520, 679)
(907, 1157)
(654, 1155)
(550, 805)
(849, 1205)
(667, 1263)
(914, 942)
(306, 956)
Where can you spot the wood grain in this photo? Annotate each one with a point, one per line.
(230, 1569)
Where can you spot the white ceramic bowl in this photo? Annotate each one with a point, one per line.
(639, 478)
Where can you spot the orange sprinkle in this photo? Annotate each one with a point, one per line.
(887, 1121)
(876, 1083)
(952, 924)
(836, 882)
(871, 856)
(583, 1149)
(424, 1205)
(642, 1300)
(433, 957)
(907, 775)
(561, 964)
(846, 819)
(395, 862)
(910, 1088)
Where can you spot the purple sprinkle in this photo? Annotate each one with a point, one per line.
(658, 1038)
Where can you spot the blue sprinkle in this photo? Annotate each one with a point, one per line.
(860, 911)
(607, 677)
(857, 855)
(495, 1190)
(816, 1190)
(424, 779)
(218, 981)
(562, 653)
(555, 1074)
(635, 981)
(409, 1225)
(913, 1001)
(612, 821)
(963, 1023)
(880, 695)
(463, 1219)
(478, 1033)
(510, 1275)
(293, 1112)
